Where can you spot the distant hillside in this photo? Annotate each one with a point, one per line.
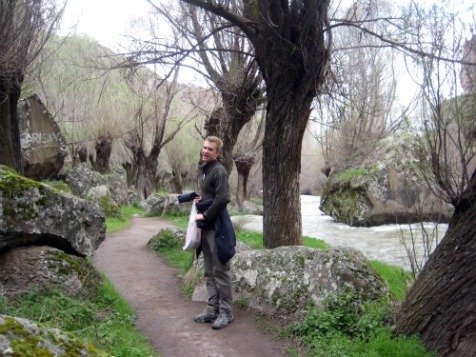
(73, 77)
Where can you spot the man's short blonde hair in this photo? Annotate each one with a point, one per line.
(217, 141)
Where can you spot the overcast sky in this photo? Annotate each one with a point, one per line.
(108, 21)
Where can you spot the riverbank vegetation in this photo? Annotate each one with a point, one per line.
(346, 327)
(105, 321)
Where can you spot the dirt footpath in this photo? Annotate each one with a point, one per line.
(164, 315)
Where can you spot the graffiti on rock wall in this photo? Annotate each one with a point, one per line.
(38, 138)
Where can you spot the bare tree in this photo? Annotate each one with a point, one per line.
(292, 49)
(24, 28)
(440, 305)
(358, 109)
(152, 114)
(223, 55)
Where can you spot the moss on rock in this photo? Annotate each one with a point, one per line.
(21, 337)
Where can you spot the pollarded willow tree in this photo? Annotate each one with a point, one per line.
(24, 28)
(292, 46)
(220, 53)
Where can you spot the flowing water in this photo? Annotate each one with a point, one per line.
(383, 243)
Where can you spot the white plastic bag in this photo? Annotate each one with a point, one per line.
(194, 234)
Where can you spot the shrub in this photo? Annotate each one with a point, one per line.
(348, 326)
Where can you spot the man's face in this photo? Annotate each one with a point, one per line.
(209, 151)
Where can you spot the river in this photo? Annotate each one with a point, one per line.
(382, 242)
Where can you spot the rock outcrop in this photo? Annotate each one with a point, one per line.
(32, 213)
(386, 189)
(82, 179)
(42, 143)
(38, 268)
(160, 205)
(22, 337)
(287, 280)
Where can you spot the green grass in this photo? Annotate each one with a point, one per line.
(181, 221)
(115, 224)
(169, 246)
(396, 278)
(349, 174)
(255, 240)
(105, 321)
(350, 327)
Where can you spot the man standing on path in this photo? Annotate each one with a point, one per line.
(214, 189)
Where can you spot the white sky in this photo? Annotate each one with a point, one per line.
(111, 21)
(107, 21)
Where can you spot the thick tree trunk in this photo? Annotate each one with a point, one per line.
(286, 119)
(176, 182)
(131, 174)
(243, 166)
(103, 154)
(80, 153)
(146, 177)
(10, 145)
(240, 103)
(441, 305)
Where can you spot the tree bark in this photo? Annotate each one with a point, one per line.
(441, 305)
(243, 167)
(286, 121)
(146, 177)
(131, 173)
(10, 144)
(176, 182)
(103, 154)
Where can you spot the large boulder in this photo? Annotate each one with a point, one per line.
(387, 188)
(160, 205)
(35, 213)
(42, 143)
(287, 280)
(40, 268)
(82, 179)
(22, 337)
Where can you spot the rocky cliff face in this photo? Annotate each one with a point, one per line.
(387, 188)
(42, 143)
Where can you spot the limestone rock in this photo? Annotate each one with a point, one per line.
(82, 179)
(34, 213)
(287, 279)
(41, 268)
(160, 205)
(42, 143)
(386, 189)
(22, 337)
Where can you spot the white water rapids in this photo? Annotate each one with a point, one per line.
(382, 242)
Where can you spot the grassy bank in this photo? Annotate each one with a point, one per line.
(121, 221)
(347, 326)
(105, 321)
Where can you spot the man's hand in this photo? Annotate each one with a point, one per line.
(200, 217)
(197, 199)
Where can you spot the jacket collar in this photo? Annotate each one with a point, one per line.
(207, 166)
